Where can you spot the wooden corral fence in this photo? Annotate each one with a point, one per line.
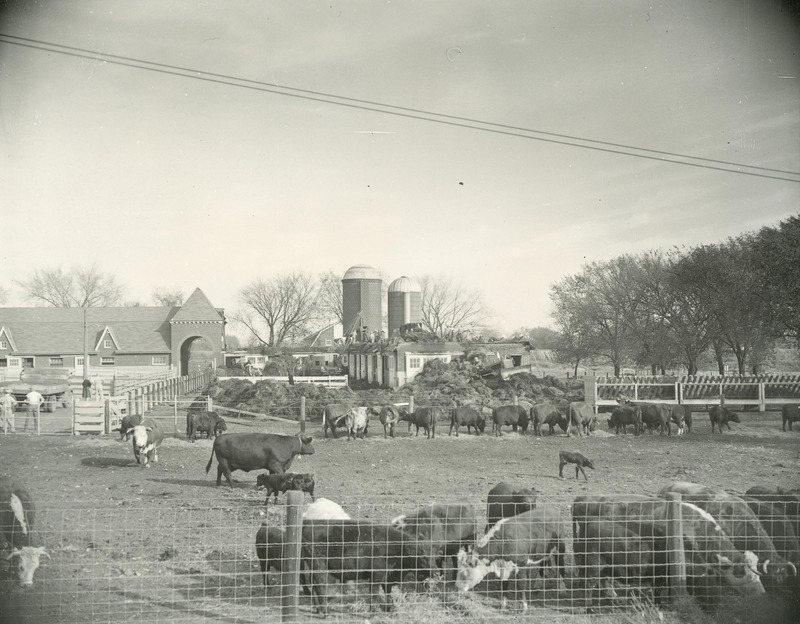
(774, 389)
(329, 381)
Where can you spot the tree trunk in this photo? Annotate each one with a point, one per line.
(577, 363)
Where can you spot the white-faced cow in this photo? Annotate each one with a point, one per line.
(256, 451)
(147, 437)
(468, 417)
(581, 415)
(17, 513)
(513, 415)
(720, 415)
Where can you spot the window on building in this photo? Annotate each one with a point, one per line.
(328, 343)
(159, 360)
(107, 343)
(79, 360)
(28, 362)
(414, 362)
(3, 344)
(107, 361)
(3, 363)
(14, 362)
(56, 361)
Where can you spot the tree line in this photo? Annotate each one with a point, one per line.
(665, 309)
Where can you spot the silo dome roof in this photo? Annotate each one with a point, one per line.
(361, 271)
(404, 284)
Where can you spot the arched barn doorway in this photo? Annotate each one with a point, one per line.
(197, 354)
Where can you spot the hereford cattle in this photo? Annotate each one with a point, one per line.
(676, 416)
(548, 414)
(269, 549)
(790, 414)
(424, 417)
(389, 417)
(581, 415)
(467, 416)
(147, 437)
(126, 424)
(356, 421)
(445, 528)
(358, 551)
(331, 415)
(17, 513)
(209, 423)
(282, 482)
(622, 416)
(720, 415)
(744, 528)
(654, 415)
(325, 509)
(516, 550)
(779, 526)
(568, 457)
(714, 566)
(256, 451)
(506, 500)
(513, 415)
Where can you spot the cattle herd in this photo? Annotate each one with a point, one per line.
(600, 551)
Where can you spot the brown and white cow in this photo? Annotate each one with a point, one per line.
(147, 437)
(17, 513)
(356, 420)
(389, 417)
(581, 415)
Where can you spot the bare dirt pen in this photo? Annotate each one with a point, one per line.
(166, 544)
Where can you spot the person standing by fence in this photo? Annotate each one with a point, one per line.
(7, 408)
(87, 388)
(34, 399)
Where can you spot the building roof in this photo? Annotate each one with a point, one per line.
(197, 308)
(362, 272)
(404, 284)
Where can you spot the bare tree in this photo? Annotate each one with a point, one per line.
(276, 309)
(330, 299)
(449, 308)
(78, 287)
(168, 297)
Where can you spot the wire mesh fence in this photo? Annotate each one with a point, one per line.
(148, 558)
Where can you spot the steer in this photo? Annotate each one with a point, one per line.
(547, 414)
(581, 415)
(331, 415)
(790, 414)
(389, 417)
(147, 437)
(424, 417)
(209, 423)
(515, 549)
(622, 416)
(514, 415)
(256, 451)
(269, 549)
(356, 420)
(653, 414)
(358, 551)
(17, 513)
(467, 416)
(127, 423)
(506, 500)
(721, 415)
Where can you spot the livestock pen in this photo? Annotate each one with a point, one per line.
(165, 544)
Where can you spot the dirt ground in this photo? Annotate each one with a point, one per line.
(166, 544)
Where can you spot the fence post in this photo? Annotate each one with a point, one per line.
(107, 417)
(175, 409)
(209, 404)
(676, 561)
(302, 414)
(410, 406)
(73, 416)
(762, 397)
(290, 578)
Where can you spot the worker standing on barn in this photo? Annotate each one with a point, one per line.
(7, 408)
(34, 399)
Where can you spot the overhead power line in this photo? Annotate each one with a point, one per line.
(407, 112)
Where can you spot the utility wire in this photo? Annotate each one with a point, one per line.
(410, 113)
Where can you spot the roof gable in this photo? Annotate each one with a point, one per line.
(107, 332)
(196, 308)
(5, 332)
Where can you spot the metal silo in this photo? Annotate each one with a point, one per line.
(405, 303)
(362, 301)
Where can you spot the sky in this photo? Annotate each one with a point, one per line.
(498, 145)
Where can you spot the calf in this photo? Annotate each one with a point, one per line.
(280, 483)
(424, 417)
(467, 416)
(569, 457)
(506, 500)
(790, 414)
(17, 513)
(514, 415)
(720, 415)
(389, 417)
(621, 417)
(147, 437)
(209, 423)
(126, 424)
(269, 549)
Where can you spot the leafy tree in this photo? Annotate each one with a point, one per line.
(540, 337)
(77, 287)
(168, 298)
(449, 308)
(277, 309)
(576, 341)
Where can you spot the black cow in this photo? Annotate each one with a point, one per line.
(209, 423)
(687, 417)
(128, 423)
(569, 457)
(550, 416)
(790, 414)
(623, 416)
(779, 526)
(17, 513)
(389, 417)
(467, 416)
(506, 500)
(330, 415)
(256, 451)
(654, 415)
(280, 483)
(721, 415)
(513, 415)
(357, 551)
(269, 549)
(424, 417)
(677, 416)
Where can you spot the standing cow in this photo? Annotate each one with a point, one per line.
(506, 500)
(581, 415)
(424, 417)
(356, 420)
(790, 414)
(514, 415)
(622, 416)
(720, 415)
(331, 415)
(209, 422)
(467, 416)
(147, 437)
(17, 513)
(389, 417)
(256, 451)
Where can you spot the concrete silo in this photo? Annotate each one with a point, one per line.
(362, 299)
(405, 303)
